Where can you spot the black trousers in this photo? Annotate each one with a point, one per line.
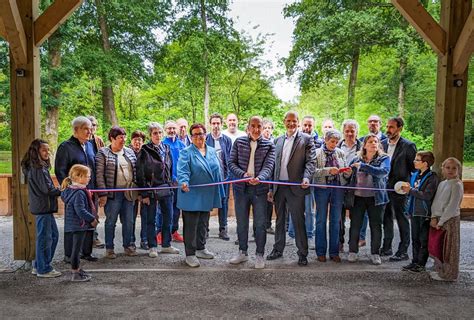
(395, 207)
(269, 214)
(361, 205)
(195, 224)
(86, 249)
(77, 238)
(286, 200)
(420, 227)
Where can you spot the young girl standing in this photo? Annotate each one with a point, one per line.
(43, 202)
(446, 215)
(80, 214)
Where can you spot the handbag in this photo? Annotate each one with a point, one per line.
(131, 195)
(162, 193)
(436, 243)
(349, 197)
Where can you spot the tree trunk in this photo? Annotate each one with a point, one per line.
(108, 101)
(207, 96)
(401, 87)
(352, 84)
(52, 111)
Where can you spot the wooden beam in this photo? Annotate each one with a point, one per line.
(464, 46)
(25, 126)
(14, 30)
(3, 32)
(50, 20)
(451, 99)
(423, 22)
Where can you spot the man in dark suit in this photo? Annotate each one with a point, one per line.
(402, 152)
(294, 162)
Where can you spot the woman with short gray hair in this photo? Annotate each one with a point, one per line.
(330, 164)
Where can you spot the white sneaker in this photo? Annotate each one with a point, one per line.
(34, 271)
(170, 249)
(311, 244)
(376, 259)
(435, 276)
(192, 261)
(352, 257)
(259, 262)
(239, 258)
(204, 254)
(52, 274)
(153, 253)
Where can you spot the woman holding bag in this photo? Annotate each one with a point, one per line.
(115, 168)
(154, 167)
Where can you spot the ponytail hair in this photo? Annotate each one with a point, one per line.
(77, 171)
(66, 183)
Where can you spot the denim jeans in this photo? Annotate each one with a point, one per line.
(243, 201)
(46, 241)
(176, 214)
(308, 216)
(334, 198)
(166, 208)
(363, 229)
(142, 220)
(222, 212)
(118, 206)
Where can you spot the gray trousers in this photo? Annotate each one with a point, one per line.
(285, 200)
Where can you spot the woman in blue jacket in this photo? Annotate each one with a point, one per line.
(370, 169)
(198, 164)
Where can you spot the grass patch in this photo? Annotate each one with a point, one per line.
(5, 167)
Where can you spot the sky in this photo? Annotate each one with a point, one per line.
(268, 16)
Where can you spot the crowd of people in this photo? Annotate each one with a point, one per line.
(316, 179)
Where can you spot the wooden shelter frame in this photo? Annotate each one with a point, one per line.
(452, 39)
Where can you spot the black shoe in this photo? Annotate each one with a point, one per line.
(89, 258)
(399, 257)
(144, 246)
(223, 235)
(275, 254)
(386, 253)
(417, 268)
(409, 266)
(302, 261)
(236, 242)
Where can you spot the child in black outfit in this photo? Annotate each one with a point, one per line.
(421, 192)
(80, 214)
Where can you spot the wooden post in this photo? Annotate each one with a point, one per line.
(451, 89)
(25, 110)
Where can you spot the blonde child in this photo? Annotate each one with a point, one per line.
(43, 203)
(79, 216)
(446, 215)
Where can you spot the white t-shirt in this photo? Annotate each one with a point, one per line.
(234, 136)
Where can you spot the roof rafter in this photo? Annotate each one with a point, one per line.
(14, 30)
(423, 22)
(3, 32)
(464, 46)
(50, 20)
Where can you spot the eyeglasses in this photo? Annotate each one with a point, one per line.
(198, 135)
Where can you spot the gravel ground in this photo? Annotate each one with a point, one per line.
(141, 287)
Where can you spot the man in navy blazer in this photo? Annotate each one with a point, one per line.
(402, 152)
(294, 162)
(223, 146)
